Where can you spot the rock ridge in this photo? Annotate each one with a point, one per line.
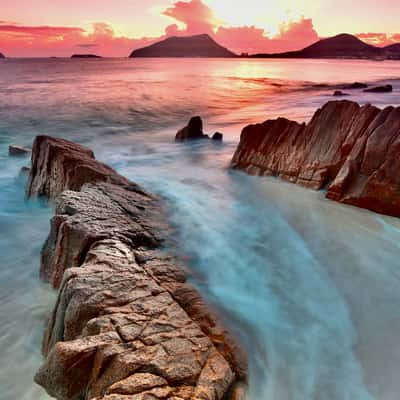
(351, 151)
(126, 325)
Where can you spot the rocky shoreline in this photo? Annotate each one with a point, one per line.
(348, 150)
(126, 325)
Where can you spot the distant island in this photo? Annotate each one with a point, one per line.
(188, 46)
(340, 46)
(2, 55)
(85, 56)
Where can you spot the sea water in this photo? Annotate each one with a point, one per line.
(310, 287)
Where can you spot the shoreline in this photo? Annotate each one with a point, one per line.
(125, 318)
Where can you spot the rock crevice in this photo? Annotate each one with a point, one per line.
(126, 325)
(349, 150)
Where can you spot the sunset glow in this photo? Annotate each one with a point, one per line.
(48, 28)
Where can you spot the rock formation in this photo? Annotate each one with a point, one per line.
(2, 55)
(15, 150)
(126, 325)
(350, 151)
(380, 89)
(194, 130)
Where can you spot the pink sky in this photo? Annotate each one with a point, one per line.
(114, 28)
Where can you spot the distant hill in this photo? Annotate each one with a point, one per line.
(85, 56)
(392, 51)
(340, 46)
(2, 55)
(188, 46)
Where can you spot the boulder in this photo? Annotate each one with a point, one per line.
(16, 151)
(126, 324)
(380, 89)
(194, 130)
(218, 136)
(349, 150)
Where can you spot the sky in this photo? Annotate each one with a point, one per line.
(41, 28)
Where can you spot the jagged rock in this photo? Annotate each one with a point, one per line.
(59, 165)
(339, 93)
(380, 89)
(218, 136)
(15, 150)
(351, 151)
(126, 324)
(194, 130)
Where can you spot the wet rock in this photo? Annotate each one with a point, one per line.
(24, 170)
(218, 136)
(194, 130)
(126, 324)
(349, 150)
(339, 93)
(356, 85)
(15, 150)
(380, 89)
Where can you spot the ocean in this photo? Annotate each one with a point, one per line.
(310, 287)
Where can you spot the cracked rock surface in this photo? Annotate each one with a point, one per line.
(349, 150)
(126, 324)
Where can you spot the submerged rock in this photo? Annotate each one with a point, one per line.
(15, 150)
(339, 93)
(380, 89)
(351, 151)
(126, 324)
(356, 85)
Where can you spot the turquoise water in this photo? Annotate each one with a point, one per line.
(310, 287)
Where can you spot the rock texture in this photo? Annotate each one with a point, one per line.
(126, 324)
(350, 151)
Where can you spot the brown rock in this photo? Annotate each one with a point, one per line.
(59, 165)
(126, 324)
(347, 149)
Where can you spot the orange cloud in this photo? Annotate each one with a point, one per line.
(379, 39)
(292, 36)
(197, 17)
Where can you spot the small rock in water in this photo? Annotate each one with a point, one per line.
(357, 85)
(15, 150)
(24, 170)
(380, 89)
(194, 130)
(339, 93)
(218, 136)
